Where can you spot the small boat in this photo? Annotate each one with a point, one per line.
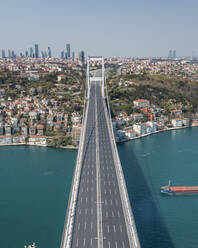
(179, 190)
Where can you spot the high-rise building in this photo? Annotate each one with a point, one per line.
(62, 55)
(174, 54)
(68, 51)
(31, 52)
(26, 53)
(82, 57)
(170, 54)
(13, 54)
(9, 54)
(49, 52)
(73, 56)
(3, 54)
(36, 51)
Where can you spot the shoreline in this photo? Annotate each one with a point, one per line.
(159, 131)
(39, 145)
(71, 147)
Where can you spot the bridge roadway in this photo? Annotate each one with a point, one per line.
(99, 217)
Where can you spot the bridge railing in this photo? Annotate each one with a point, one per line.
(129, 218)
(70, 214)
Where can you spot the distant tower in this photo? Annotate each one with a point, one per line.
(82, 57)
(73, 56)
(174, 54)
(62, 55)
(31, 52)
(36, 51)
(9, 54)
(170, 54)
(68, 52)
(26, 54)
(3, 55)
(49, 52)
(13, 54)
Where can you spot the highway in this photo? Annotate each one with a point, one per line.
(99, 220)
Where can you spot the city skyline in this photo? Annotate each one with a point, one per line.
(131, 28)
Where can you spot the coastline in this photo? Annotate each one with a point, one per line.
(76, 147)
(24, 144)
(159, 131)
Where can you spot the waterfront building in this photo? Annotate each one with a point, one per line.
(177, 122)
(130, 133)
(140, 128)
(4, 140)
(68, 52)
(36, 51)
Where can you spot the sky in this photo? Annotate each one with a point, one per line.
(101, 27)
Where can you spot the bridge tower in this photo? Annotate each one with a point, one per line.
(97, 75)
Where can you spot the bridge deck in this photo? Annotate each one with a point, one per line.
(99, 217)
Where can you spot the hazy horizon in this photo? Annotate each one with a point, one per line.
(138, 28)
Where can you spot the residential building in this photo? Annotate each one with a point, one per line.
(139, 128)
(130, 133)
(177, 122)
(141, 103)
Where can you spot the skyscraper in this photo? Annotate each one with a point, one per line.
(170, 54)
(31, 52)
(174, 54)
(62, 55)
(3, 55)
(68, 51)
(73, 56)
(9, 54)
(36, 51)
(49, 52)
(26, 53)
(82, 57)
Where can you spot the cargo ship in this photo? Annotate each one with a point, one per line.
(179, 190)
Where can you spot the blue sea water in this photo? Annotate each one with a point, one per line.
(35, 184)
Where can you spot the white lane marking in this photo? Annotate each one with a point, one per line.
(105, 202)
(120, 228)
(118, 214)
(84, 242)
(91, 241)
(85, 225)
(112, 214)
(79, 211)
(106, 214)
(77, 243)
(91, 210)
(78, 225)
(109, 244)
(114, 229)
(107, 228)
(91, 225)
(86, 211)
(123, 245)
(116, 244)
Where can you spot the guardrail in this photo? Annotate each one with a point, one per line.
(70, 214)
(129, 218)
